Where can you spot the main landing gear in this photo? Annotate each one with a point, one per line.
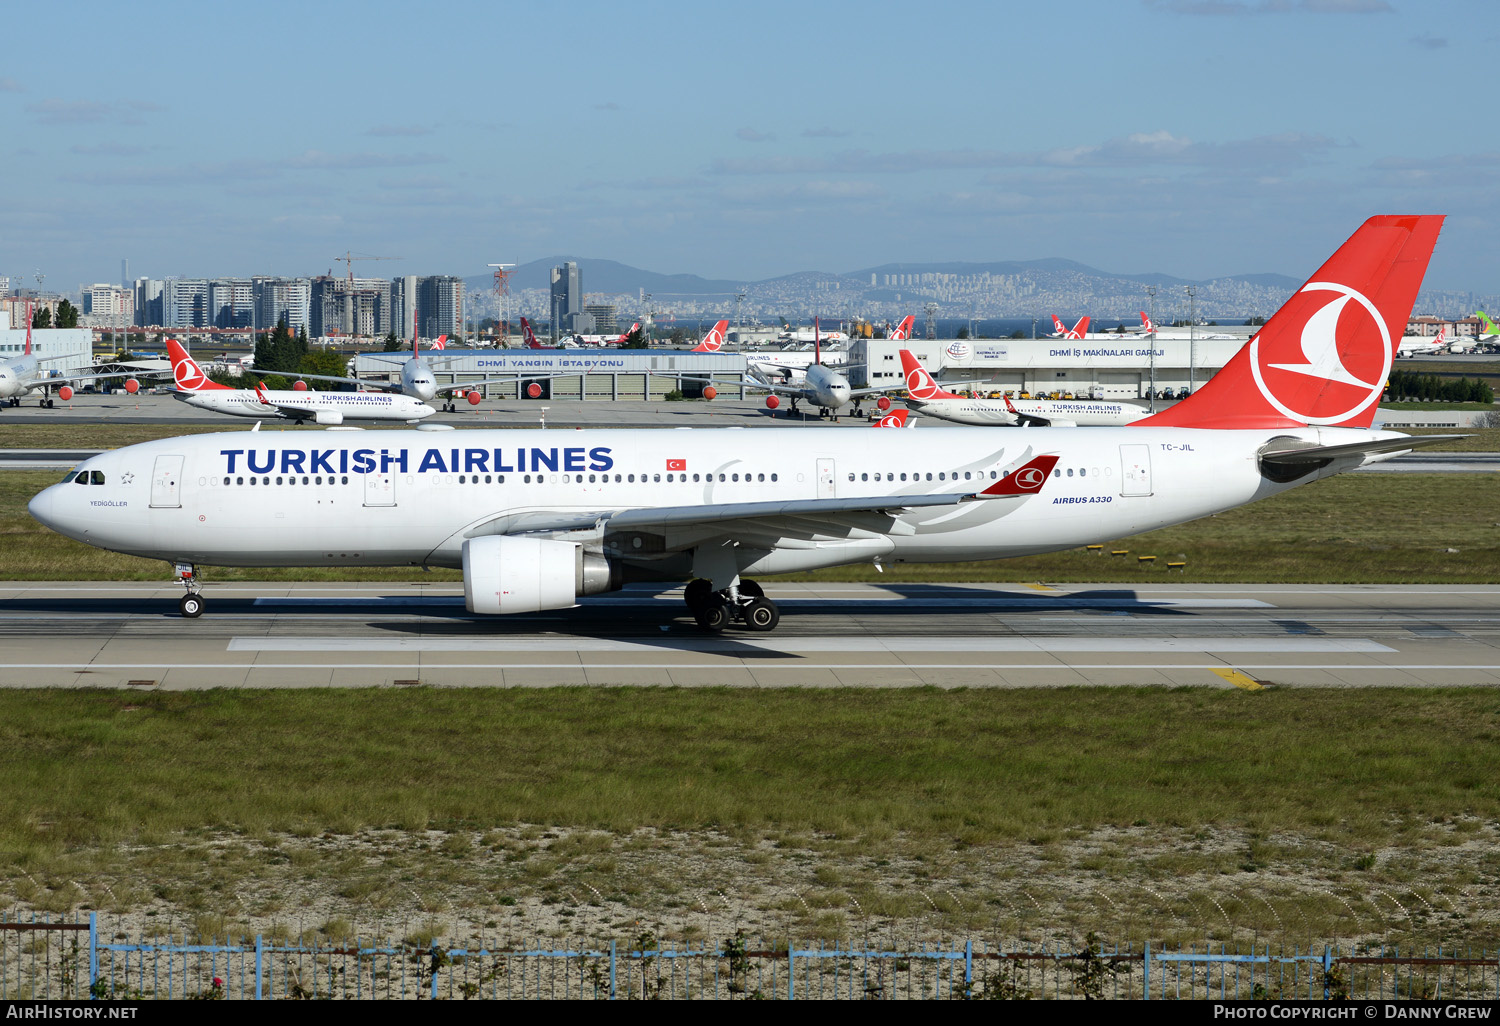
(191, 604)
(716, 610)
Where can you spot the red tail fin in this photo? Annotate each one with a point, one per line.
(1080, 329)
(188, 375)
(529, 335)
(1061, 331)
(1146, 325)
(29, 317)
(714, 340)
(903, 330)
(896, 418)
(1324, 356)
(919, 384)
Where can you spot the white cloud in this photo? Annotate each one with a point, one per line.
(751, 135)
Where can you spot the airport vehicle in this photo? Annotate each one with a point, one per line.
(926, 396)
(537, 518)
(22, 375)
(714, 340)
(327, 408)
(1077, 331)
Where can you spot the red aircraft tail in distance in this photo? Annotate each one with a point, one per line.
(903, 330)
(1076, 332)
(1146, 326)
(919, 384)
(1324, 357)
(624, 335)
(529, 335)
(714, 340)
(186, 372)
(894, 419)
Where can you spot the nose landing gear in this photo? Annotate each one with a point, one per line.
(190, 605)
(716, 610)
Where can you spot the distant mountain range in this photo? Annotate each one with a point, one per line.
(1032, 288)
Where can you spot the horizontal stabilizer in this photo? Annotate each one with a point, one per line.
(1280, 451)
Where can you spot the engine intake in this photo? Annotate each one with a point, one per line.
(523, 575)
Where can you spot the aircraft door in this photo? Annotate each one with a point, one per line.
(166, 482)
(1135, 469)
(827, 482)
(380, 489)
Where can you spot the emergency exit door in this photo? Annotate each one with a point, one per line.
(166, 482)
(1135, 469)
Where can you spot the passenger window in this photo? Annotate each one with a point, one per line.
(226, 480)
(851, 477)
(940, 476)
(500, 479)
(773, 477)
(1070, 471)
(657, 478)
(632, 479)
(903, 476)
(318, 479)
(96, 477)
(1057, 473)
(461, 479)
(252, 480)
(736, 477)
(265, 480)
(695, 478)
(591, 479)
(992, 475)
(862, 477)
(278, 480)
(528, 479)
(966, 475)
(760, 477)
(241, 480)
(1083, 471)
(617, 479)
(345, 479)
(669, 479)
(929, 475)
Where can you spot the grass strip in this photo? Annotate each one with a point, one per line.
(1359, 767)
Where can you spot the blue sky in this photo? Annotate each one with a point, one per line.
(1194, 137)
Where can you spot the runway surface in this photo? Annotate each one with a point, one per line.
(297, 635)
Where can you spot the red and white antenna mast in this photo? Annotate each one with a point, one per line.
(502, 293)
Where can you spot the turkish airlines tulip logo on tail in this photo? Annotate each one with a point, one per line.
(1029, 478)
(188, 375)
(1338, 346)
(920, 384)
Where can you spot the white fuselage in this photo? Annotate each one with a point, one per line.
(993, 412)
(289, 404)
(412, 498)
(792, 366)
(19, 376)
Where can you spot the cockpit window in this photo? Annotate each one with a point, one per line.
(82, 478)
(96, 477)
(67, 477)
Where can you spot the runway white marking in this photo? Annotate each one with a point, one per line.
(730, 646)
(992, 601)
(1345, 667)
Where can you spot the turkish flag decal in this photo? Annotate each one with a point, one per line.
(676, 464)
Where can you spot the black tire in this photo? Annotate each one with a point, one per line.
(761, 615)
(752, 588)
(713, 617)
(191, 605)
(697, 593)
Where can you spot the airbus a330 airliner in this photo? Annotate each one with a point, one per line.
(537, 518)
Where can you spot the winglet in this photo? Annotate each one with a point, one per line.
(1027, 480)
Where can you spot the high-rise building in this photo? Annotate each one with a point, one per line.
(283, 299)
(109, 304)
(603, 318)
(148, 309)
(340, 306)
(4, 284)
(184, 303)
(231, 302)
(440, 305)
(403, 305)
(568, 314)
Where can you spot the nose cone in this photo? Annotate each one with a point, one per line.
(423, 410)
(40, 506)
(424, 388)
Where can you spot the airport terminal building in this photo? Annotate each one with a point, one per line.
(1106, 367)
(606, 374)
(76, 345)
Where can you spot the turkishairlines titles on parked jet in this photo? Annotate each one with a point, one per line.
(329, 408)
(22, 375)
(927, 397)
(536, 520)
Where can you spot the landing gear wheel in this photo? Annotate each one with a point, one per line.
(697, 594)
(761, 615)
(713, 617)
(752, 589)
(191, 605)
(48, 404)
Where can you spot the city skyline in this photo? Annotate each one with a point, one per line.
(1197, 139)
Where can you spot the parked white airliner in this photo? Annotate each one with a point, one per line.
(537, 518)
(929, 398)
(328, 408)
(22, 375)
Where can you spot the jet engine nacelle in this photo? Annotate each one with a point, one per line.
(524, 575)
(772, 402)
(299, 386)
(534, 390)
(330, 417)
(473, 398)
(883, 403)
(64, 393)
(132, 386)
(709, 391)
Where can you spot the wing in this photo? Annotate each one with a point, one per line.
(795, 390)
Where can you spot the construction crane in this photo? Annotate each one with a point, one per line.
(349, 258)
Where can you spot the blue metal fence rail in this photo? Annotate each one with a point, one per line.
(41, 957)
